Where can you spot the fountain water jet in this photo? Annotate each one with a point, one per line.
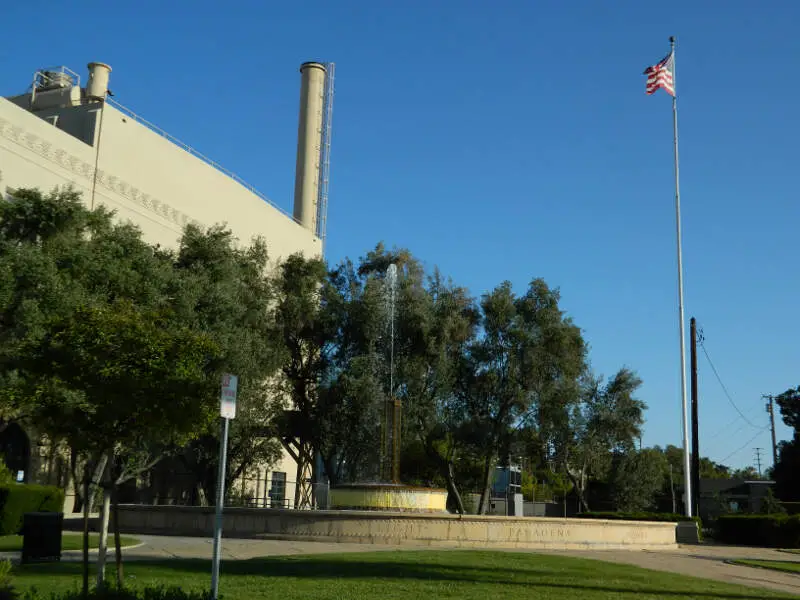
(389, 494)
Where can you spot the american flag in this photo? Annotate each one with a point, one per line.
(660, 76)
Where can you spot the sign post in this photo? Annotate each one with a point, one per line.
(227, 410)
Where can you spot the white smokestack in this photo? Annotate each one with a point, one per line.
(97, 86)
(309, 140)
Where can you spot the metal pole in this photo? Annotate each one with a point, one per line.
(687, 480)
(771, 411)
(695, 423)
(97, 151)
(223, 456)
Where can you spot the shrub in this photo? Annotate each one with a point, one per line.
(7, 591)
(793, 508)
(772, 531)
(637, 516)
(18, 499)
(6, 476)
(770, 505)
(148, 593)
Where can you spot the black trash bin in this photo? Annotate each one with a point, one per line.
(41, 537)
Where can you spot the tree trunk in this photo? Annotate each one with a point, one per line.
(103, 546)
(452, 489)
(86, 488)
(117, 540)
(579, 482)
(483, 506)
(446, 468)
(105, 511)
(202, 498)
(77, 481)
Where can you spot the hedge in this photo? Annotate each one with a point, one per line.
(637, 516)
(17, 499)
(793, 508)
(771, 531)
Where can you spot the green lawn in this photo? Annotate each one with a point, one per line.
(408, 575)
(776, 565)
(69, 541)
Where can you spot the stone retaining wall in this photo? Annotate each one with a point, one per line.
(444, 530)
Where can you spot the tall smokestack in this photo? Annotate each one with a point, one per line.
(309, 140)
(97, 87)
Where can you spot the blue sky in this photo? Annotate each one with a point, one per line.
(510, 140)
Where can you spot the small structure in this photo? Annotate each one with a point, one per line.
(720, 496)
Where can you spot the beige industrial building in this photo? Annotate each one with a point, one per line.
(62, 133)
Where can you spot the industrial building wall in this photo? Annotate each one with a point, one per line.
(145, 178)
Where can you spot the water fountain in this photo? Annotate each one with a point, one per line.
(388, 493)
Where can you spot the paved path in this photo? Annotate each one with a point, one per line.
(706, 561)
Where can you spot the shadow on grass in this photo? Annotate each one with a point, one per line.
(530, 577)
(785, 566)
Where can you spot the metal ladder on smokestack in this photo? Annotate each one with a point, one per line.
(325, 155)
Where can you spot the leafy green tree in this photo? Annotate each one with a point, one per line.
(140, 376)
(437, 322)
(748, 473)
(789, 404)
(770, 505)
(102, 344)
(528, 359)
(224, 290)
(637, 478)
(606, 422)
(787, 483)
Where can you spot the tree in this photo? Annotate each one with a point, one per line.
(528, 358)
(139, 375)
(302, 321)
(116, 346)
(224, 290)
(789, 403)
(439, 322)
(748, 473)
(770, 505)
(787, 483)
(637, 478)
(606, 422)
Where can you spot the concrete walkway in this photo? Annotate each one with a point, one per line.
(705, 561)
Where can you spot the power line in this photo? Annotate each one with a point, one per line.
(731, 434)
(725, 389)
(743, 446)
(727, 429)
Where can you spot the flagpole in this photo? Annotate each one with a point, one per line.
(687, 480)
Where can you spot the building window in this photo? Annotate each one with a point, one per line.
(277, 490)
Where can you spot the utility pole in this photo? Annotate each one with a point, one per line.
(695, 499)
(771, 412)
(758, 459)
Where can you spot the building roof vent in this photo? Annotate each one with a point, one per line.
(52, 80)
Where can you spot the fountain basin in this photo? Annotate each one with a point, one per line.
(388, 497)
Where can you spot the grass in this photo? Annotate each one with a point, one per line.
(69, 541)
(776, 565)
(407, 575)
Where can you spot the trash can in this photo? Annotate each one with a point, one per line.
(41, 537)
